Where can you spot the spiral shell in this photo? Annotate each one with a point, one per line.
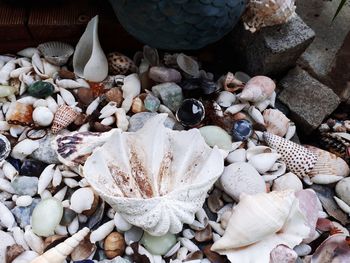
(276, 122)
(64, 116)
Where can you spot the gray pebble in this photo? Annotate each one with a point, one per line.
(45, 153)
(23, 214)
(170, 94)
(25, 185)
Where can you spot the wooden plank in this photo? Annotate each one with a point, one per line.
(13, 22)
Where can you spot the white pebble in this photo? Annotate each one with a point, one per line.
(24, 200)
(42, 116)
(121, 224)
(40, 103)
(101, 232)
(6, 186)
(129, 251)
(82, 199)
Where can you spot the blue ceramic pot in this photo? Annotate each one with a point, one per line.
(178, 24)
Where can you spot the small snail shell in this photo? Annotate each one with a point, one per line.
(114, 245)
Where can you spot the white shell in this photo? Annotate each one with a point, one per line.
(131, 88)
(153, 174)
(101, 232)
(287, 181)
(45, 178)
(239, 178)
(24, 148)
(263, 162)
(276, 122)
(226, 99)
(261, 222)
(56, 53)
(89, 61)
(42, 116)
(82, 199)
(6, 217)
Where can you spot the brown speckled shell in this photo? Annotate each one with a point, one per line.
(298, 159)
(64, 116)
(120, 64)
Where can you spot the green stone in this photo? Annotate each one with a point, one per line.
(158, 245)
(152, 103)
(170, 94)
(216, 136)
(46, 217)
(41, 89)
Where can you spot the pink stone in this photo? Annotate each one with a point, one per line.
(163, 74)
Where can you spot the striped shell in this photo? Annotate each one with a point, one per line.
(64, 116)
(298, 159)
(56, 53)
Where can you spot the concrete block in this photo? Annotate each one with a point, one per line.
(272, 50)
(308, 100)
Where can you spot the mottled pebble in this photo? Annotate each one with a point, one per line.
(25, 185)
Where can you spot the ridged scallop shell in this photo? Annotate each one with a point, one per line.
(74, 148)
(119, 64)
(56, 53)
(156, 178)
(276, 122)
(262, 13)
(329, 168)
(261, 222)
(64, 116)
(299, 160)
(5, 148)
(258, 88)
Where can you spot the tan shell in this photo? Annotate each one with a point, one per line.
(116, 95)
(276, 122)
(231, 83)
(64, 116)
(299, 160)
(20, 114)
(119, 64)
(258, 89)
(137, 105)
(114, 245)
(59, 253)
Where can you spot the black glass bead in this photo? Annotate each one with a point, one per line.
(242, 130)
(190, 113)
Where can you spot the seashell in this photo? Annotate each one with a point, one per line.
(231, 83)
(6, 217)
(18, 236)
(34, 242)
(114, 245)
(93, 106)
(24, 201)
(151, 188)
(5, 72)
(276, 122)
(343, 206)
(6, 240)
(42, 116)
(6, 91)
(26, 256)
(131, 88)
(57, 53)
(19, 71)
(64, 116)
(108, 110)
(67, 97)
(262, 105)
(83, 251)
(68, 84)
(264, 162)
(89, 61)
(13, 251)
(261, 222)
(258, 89)
(188, 65)
(214, 201)
(162, 74)
(329, 168)
(116, 95)
(82, 200)
(236, 156)
(256, 115)
(192, 247)
(287, 181)
(101, 232)
(235, 108)
(239, 178)
(5, 147)
(28, 52)
(45, 178)
(299, 160)
(264, 13)
(204, 235)
(342, 189)
(119, 64)
(283, 254)
(226, 99)
(59, 253)
(20, 114)
(66, 74)
(74, 148)
(24, 148)
(108, 121)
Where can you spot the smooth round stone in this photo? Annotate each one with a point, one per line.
(151, 103)
(23, 214)
(342, 189)
(170, 94)
(242, 130)
(42, 116)
(137, 121)
(5, 241)
(32, 168)
(41, 89)
(158, 245)
(46, 217)
(190, 113)
(25, 185)
(214, 135)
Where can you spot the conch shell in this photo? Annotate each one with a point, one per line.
(156, 178)
(258, 89)
(261, 222)
(59, 253)
(262, 13)
(276, 122)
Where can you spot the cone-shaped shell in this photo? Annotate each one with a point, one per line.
(298, 159)
(261, 222)
(89, 61)
(276, 122)
(59, 253)
(64, 116)
(329, 168)
(156, 178)
(258, 89)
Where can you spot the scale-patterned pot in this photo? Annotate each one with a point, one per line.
(178, 24)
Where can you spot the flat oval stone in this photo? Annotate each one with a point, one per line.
(214, 135)
(158, 245)
(25, 185)
(46, 217)
(41, 89)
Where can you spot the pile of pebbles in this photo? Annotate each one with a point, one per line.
(43, 201)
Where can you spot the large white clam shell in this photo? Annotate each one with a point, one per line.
(261, 222)
(156, 178)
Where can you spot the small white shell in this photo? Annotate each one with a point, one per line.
(68, 83)
(131, 88)
(235, 108)
(287, 181)
(188, 244)
(256, 115)
(82, 199)
(101, 232)
(67, 97)
(226, 99)
(24, 200)
(6, 217)
(108, 110)
(42, 116)
(45, 178)
(122, 121)
(34, 242)
(236, 156)
(24, 148)
(9, 171)
(55, 52)
(276, 122)
(263, 162)
(18, 235)
(28, 52)
(120, 223)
